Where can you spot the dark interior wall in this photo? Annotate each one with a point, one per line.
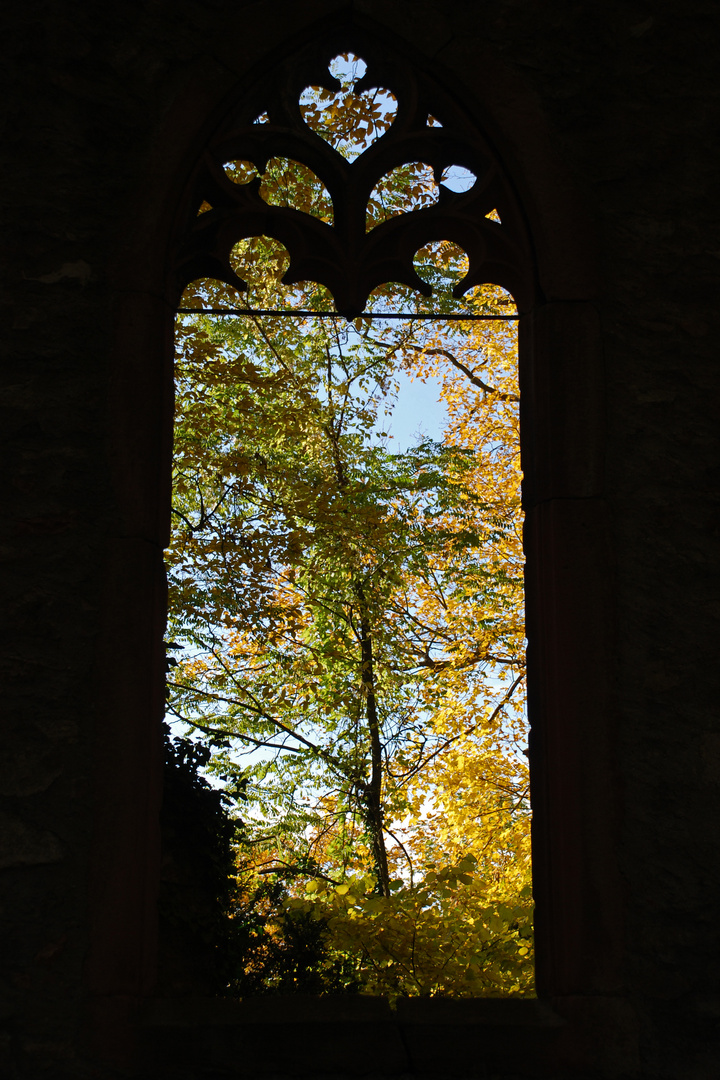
(606, 114)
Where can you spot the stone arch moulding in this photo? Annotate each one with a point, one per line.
(579, 930)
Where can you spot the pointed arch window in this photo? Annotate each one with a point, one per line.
(352, 175)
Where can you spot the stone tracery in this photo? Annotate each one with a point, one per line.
(344, 248)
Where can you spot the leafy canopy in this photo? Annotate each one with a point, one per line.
(349, 615)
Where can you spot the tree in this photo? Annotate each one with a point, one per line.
(353, 615)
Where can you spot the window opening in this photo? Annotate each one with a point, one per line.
(346, 600)
(350, 122)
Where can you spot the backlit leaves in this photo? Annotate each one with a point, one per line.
(349, 122)
(351, 612)
(408, 187)
(290, 183)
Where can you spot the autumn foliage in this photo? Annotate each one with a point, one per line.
(347, 615)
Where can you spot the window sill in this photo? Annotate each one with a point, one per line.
(298, 1035)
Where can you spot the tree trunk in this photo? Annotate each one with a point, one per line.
(373, 789)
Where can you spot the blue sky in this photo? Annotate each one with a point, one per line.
(417, 413)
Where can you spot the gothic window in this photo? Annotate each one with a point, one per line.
(347, 617)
